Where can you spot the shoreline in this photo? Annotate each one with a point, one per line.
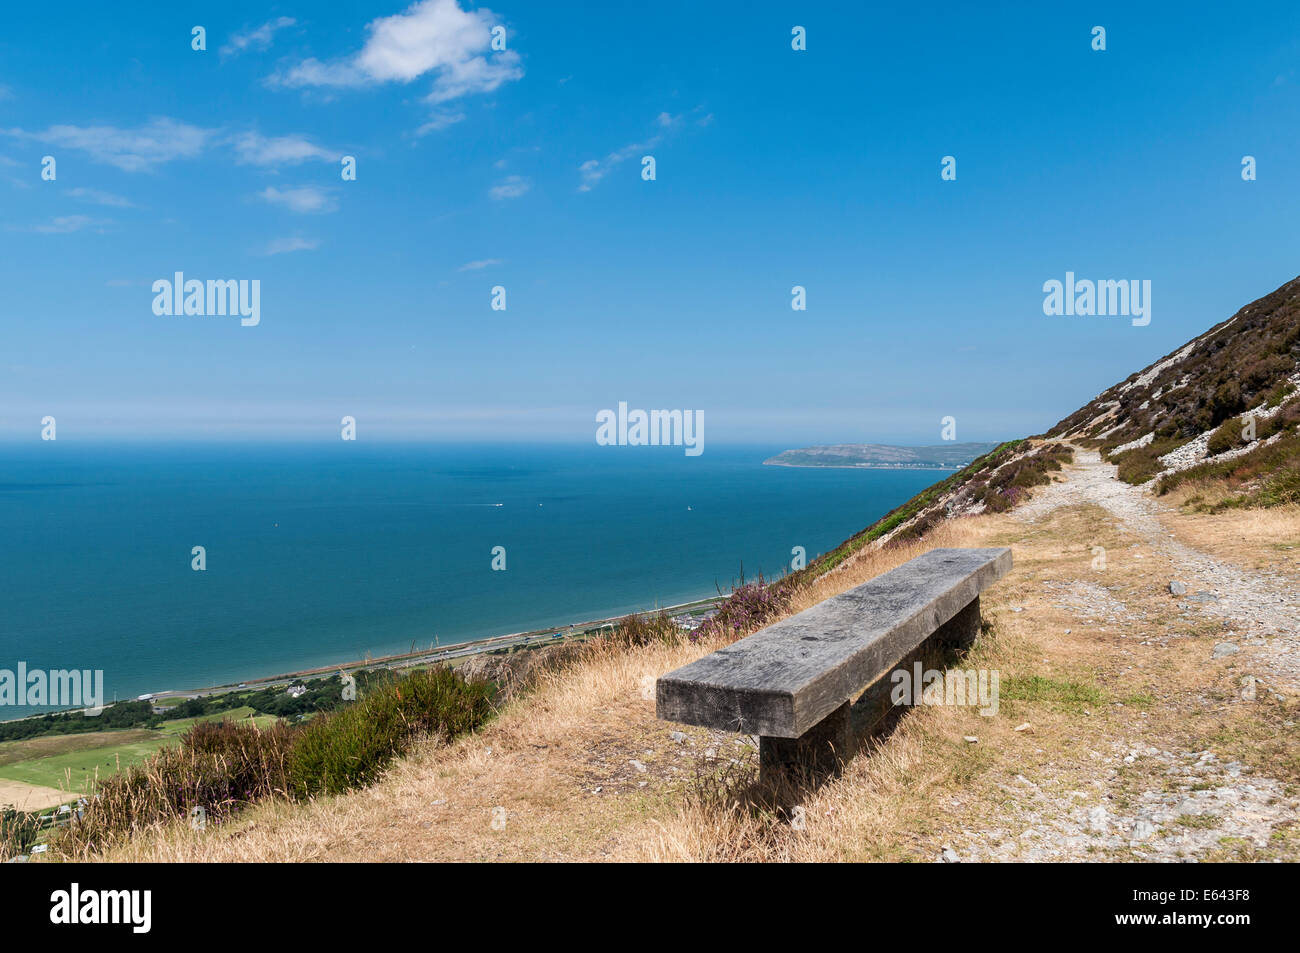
(527, 638)
(459, 650)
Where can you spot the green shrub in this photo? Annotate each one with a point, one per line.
(1266, 370)
(647, 628)
(348, 748)
(1282, 420)
(1226, 437)
(1138, 465)
(1279, 393)
(218, 766)
(1269, 474)
(223, 766)
(1142, 463)
(1229, 436)
(1225, 402)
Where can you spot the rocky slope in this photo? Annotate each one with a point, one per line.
(1225, 395)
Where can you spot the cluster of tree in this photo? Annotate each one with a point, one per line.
(132, 714)
(320, 694)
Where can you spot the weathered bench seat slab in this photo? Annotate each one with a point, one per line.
(785, 679)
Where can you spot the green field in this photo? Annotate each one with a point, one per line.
(71, 762)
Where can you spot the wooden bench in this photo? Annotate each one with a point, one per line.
(793, 682)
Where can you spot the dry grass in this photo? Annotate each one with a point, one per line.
(1257, 539)
(556, 771)
(540, 762)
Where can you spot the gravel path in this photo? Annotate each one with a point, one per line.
(1191, 803)
(1263, 608)
(1201, 805)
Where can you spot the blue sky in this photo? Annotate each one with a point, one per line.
(521, 168)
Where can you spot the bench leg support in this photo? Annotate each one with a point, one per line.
(961, 631)
(818, 753)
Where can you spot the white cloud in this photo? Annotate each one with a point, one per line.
(252, 148)
(282, 245)
(432, 37)
(511, 187)
(440, 119)
(477, 74)
(64, 224)
(162, 140)
(304, 199)
(132, 150)
(258, 39)
(593, 170)
(479, 265)
(100, 198)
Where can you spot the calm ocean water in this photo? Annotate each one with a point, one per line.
(326, 554)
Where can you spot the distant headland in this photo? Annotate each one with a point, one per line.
(879, 456)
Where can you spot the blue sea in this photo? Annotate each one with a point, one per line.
(323, 554)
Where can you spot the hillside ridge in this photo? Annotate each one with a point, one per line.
(1225, 397)
(1222, 407)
